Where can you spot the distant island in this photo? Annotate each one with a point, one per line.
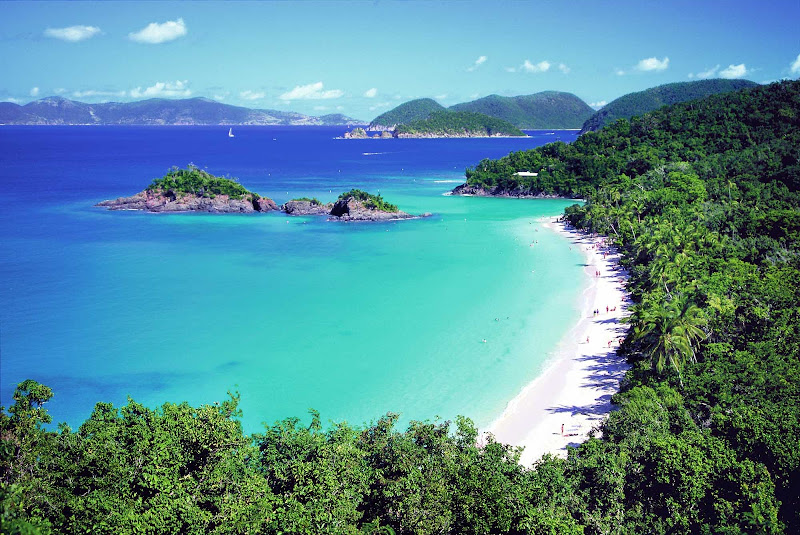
(544, 110)
(447, 124)
(641, 102)
(156, 111)
(353, 205)
(193, 190)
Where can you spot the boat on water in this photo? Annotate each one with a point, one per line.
(230, 132)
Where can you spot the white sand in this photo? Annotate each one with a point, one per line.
(575, 390)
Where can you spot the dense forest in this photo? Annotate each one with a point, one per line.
(458, 123)
(547, 109)
(641, 102)
(702, 200)
(407, 112)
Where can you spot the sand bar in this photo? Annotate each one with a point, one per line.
(576, 388)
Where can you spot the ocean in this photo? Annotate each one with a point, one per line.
(429, 318)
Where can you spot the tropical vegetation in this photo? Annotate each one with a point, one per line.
(195, 181)
(703, 201)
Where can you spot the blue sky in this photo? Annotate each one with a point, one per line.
(362, 58)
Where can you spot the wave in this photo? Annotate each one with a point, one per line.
(373, 153)
(448, 181)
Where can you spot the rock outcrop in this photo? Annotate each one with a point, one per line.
(476, 191)
(304, 207)
(350, 209)
(159, 201)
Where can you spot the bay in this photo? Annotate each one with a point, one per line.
(353, 320)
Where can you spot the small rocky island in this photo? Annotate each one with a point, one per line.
(193, 190)
(353, 205)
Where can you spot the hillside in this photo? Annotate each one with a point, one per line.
(548, 109)
(457, 124)
(633, 104)
(193, 111)
(407, 112)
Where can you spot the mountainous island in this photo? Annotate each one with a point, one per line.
(157, 111)
(547, 109)
(641, 102)
(544, 110)
(447, 124)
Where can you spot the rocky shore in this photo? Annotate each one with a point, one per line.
(159, 201)
(476, 191)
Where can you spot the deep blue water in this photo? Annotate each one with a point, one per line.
(353, 320)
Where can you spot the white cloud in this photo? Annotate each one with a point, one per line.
(163, 89)
(563, 68)
(652, 64)
(710, 73)
(542, 66)
(599, 104)
(478, 62)
(795, 67)
(371, 93)
(252, 95)
(72, 34)
(511, 69)
(440, 97)
(34, 91)
(11, 99)
(221, 97)
(155, 33)
(59, 90)
(339, 108)
(320, 108)
(311, 92)
(734, 71)
(97, 93)
(474, 96)
(619, 72)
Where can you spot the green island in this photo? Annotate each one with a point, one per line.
(374, 202)
(195, 181)
(546, 109)
(703, 200)
(457, 124)
(413, 110)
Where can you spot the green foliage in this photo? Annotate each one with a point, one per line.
(450, 123)
(375, 202)
(641, 102)
(195, 181)
(547, 109)
(407, 112)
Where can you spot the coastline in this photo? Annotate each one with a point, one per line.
(575, 389)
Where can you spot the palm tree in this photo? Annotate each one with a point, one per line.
(670, 331)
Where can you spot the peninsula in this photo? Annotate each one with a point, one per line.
(193, 190)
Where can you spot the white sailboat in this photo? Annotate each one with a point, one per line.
(230, 132)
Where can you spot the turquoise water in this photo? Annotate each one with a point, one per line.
(353, 320)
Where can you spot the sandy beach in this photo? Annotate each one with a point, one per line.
(573, 395)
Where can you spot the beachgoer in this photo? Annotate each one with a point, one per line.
(562, 430)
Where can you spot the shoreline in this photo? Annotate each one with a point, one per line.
(575, 389)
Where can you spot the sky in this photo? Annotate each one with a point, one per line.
(362, 58)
